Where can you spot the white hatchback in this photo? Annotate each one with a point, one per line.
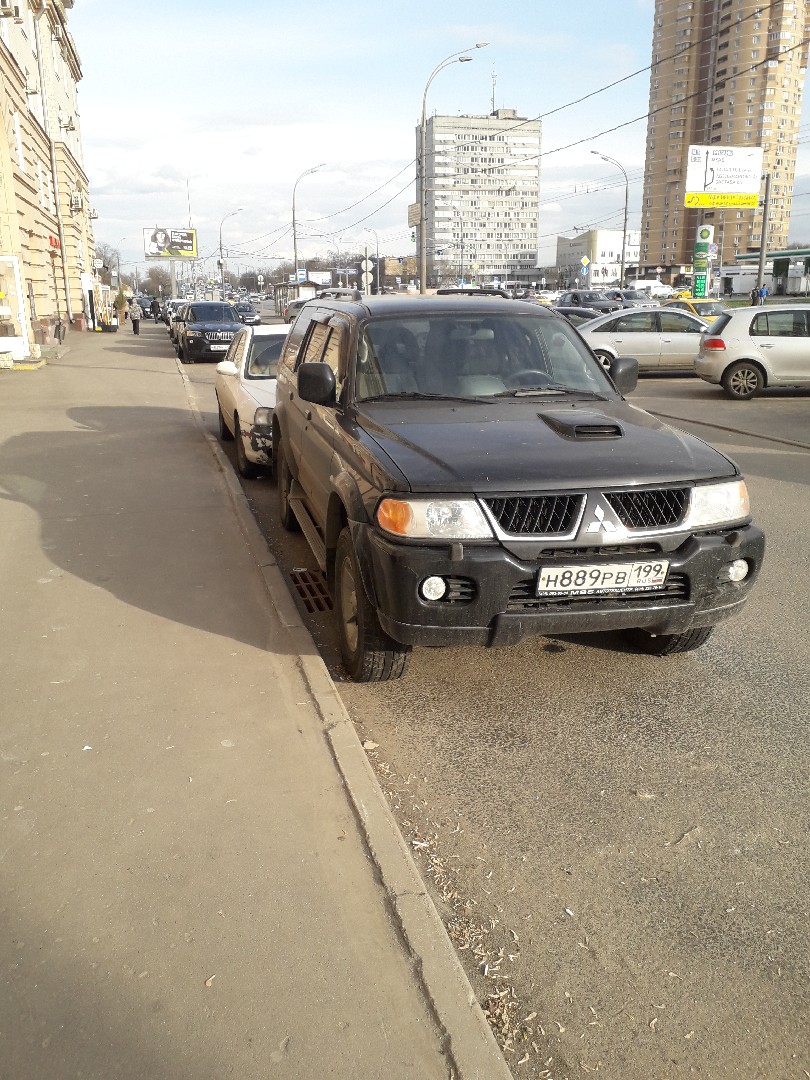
(747, 349)
(246, 394)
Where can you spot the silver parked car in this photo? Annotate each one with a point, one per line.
(659, 339)
(751, 348)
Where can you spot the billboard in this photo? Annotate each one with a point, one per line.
(723, 176)
(170, 243)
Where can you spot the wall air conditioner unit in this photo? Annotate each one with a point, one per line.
(76, 200)
(8, 8)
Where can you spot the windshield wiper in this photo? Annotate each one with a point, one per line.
(413, 395)
(534, 391)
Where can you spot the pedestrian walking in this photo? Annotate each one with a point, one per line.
(763, 294)
(753, 296)
(154, 308)
(135, 316)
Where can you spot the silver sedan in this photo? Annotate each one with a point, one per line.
(659, 339)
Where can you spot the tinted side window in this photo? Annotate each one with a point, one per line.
(639, 322)
(295, 337)
(676, 322)
(781, 324)
(606, 328)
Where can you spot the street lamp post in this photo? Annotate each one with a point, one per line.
(306, 172)
(221, 260)
(453, 58)
(613, 161)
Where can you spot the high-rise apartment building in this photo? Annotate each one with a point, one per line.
(727, 73)
(482, 196)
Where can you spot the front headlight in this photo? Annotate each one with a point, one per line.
(718, 504)
(434, 519)
(263, 417)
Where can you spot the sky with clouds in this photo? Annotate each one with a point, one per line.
(201, 107)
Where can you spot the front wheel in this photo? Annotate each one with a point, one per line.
(669, 644)
(224, 431)
(246, 467)
(742, 380)
(369, 654)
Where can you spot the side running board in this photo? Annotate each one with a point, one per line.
(308, 526)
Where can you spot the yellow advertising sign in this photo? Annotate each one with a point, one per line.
(714, 198)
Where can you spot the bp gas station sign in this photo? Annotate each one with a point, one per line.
(704, 254)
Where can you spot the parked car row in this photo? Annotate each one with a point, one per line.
(203, 329)
(437, 523)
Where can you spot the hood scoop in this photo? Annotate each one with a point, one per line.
(582, 424)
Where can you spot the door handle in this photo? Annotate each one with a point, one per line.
(766, 345)
(291, 395)
(308, 414)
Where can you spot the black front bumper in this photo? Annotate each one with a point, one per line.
(201, 349)
(493, 600)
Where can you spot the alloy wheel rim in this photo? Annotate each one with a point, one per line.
(744, 381)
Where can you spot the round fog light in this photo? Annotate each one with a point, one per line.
(433, 588)
(736, 571)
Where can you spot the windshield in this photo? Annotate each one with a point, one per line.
(634, 294)
(263, 357)
(212, 313)
(469, 356)
(711, 307)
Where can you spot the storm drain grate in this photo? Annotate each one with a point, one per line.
(311, 587)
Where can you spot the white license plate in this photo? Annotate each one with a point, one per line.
(219, 348)
(606, 578)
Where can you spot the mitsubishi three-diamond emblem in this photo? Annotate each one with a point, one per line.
(607, 526)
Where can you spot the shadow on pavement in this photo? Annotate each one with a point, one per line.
(129, 501)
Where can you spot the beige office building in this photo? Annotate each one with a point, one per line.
(482, 198)
(725, 72)
(46, 242)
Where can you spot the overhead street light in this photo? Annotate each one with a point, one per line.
(454, 58)
(221, 260)
(613, 161)
(295, 236)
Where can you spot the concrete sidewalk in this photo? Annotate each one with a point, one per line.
(200, 876)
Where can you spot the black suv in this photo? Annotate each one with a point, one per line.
(204, 330)
(467, 473)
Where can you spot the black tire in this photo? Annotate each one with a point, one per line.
(669, 644)
(742, 380)
(224, 432)
(369, 654)
(284, 480)
(246, 467)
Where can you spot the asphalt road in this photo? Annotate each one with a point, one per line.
(618, 843)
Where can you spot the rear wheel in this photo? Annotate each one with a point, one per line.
(742, 380)
(669, 644)
(285, 514)
(369, 654)
(604, 358)
(246, 467)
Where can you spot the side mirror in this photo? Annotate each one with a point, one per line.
(624, 372)
(316, 383)
(227, 367)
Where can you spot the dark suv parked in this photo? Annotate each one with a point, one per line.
(466, 472)
(204, 330)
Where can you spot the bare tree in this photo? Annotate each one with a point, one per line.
(111, 259)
